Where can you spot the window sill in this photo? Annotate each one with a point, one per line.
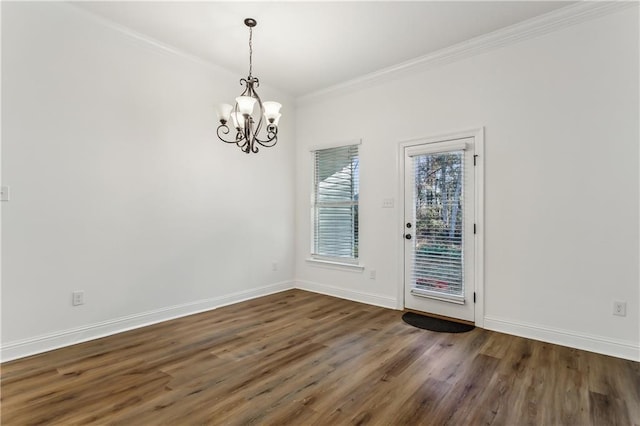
(332, 264)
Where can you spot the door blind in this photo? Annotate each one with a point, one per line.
(438, 260)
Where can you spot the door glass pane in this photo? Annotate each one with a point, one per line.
(438, 243)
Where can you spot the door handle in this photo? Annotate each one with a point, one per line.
(407, 236)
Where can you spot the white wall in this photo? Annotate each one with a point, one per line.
(120, 187)
(560, 113)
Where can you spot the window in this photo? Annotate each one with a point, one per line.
(335, 203)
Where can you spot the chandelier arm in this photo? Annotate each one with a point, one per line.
(243, 81)
(224, 129)
(272, 137)
(271, 141)
(240, 141)
(254, 81)
(248, 131)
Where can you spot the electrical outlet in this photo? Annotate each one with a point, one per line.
(4, 193)
(77, 298)
(620, 309)
(372, 274)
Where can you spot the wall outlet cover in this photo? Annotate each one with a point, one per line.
(620, 308)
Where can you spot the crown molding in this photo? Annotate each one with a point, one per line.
(558, 19)
(141, 38)
(156, 45)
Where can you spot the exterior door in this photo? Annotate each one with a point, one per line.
(439, 228)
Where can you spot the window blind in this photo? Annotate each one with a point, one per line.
(335, 203)
(438, 261)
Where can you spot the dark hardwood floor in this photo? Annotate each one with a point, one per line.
(298, 358)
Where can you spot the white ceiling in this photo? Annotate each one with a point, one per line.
(302, 47)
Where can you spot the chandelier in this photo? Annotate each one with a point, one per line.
(247, 120)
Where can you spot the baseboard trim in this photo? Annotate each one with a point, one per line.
(44, 343)
(356, 296)
(599, 344)
(47, 342)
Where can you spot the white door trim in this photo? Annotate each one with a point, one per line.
(478, 135)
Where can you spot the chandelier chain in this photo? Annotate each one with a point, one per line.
(250, 50)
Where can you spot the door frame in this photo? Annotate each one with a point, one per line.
(478, 267)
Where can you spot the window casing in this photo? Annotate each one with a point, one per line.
(335, 204)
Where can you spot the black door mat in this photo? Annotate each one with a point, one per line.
(435, 324)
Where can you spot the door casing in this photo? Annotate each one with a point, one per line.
(478, 170)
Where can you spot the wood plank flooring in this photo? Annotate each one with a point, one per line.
(298, 358)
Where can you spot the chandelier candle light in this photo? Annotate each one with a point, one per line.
(242, 113)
